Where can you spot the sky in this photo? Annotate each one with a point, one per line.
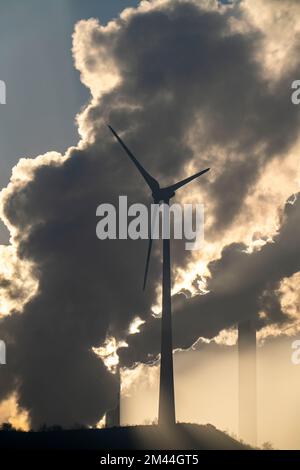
(189, 84)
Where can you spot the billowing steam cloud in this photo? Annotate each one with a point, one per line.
(188, 84)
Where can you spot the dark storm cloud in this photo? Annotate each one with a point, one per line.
(241, 285)
(187, 66)
(87, 289)
(178, 64)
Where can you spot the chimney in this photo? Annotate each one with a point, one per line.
(113, 416)
(247, 382)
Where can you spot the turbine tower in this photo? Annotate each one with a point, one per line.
(166, 411)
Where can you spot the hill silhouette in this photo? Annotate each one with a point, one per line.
(181, 436)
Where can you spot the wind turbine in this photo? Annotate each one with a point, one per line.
(166, 412)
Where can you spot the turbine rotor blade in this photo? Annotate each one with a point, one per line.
(152, 183)
(178, 185)
(147, 262)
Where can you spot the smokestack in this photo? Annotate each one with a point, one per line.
(247, 382)
(113, 416)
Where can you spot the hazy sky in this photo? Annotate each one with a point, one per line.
(207, 392)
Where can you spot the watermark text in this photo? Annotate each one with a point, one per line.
(2, 92)
(2, 352)
(296, 354)
(164, 221)
(295, 97)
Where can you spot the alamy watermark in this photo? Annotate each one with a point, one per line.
(296, 354)
(295, 97)
(2, 352)
(2, 92)
(164, 221)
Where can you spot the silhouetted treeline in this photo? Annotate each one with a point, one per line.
(44, 428)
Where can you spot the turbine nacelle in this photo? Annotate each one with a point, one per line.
(163, 195)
